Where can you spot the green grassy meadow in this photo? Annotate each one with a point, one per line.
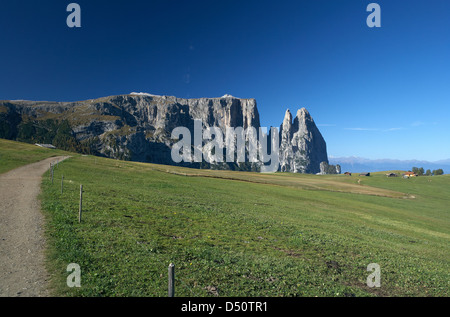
(243, 234)
(15, 154)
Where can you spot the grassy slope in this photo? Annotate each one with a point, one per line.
(14, 154)
(262, 235)
(243, 238)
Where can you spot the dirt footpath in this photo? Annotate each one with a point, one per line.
(22, 243)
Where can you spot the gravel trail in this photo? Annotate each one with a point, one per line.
(22, 243)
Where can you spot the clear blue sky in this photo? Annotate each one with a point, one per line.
(374, 92)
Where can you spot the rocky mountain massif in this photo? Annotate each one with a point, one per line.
(302, 147)
(138, 127)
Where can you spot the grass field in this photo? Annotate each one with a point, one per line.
(243, 234)
(14, 154)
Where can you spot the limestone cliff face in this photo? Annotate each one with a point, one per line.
(138, 126)
(302, 147)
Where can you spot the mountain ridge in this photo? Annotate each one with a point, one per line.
(138, 126)
(356, 164)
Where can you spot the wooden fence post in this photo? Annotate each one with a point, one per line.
(171, 280)
(62, 184)
(81, 204)
(52, 172)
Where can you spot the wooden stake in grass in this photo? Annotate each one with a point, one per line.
(81, 204)
(62, 184)
(52, 172)
(171, 280)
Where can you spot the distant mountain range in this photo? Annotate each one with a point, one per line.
(358, 164)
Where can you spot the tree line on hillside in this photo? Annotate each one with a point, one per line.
(56, 132)
(419, 171)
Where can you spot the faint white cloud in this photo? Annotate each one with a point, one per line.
(417, 123)
(361, 129)
(421, 123)
(393, 129)
(375, 129)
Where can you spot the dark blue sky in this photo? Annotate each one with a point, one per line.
(374, 92)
